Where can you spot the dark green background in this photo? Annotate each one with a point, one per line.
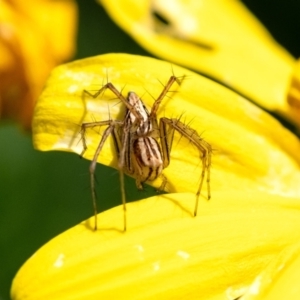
(44, 193)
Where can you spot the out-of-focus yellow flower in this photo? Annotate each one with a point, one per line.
(221, 39)
(35, 36)
(166, 253)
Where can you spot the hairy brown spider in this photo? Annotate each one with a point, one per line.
(144, 143)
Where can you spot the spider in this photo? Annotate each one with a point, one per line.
(144, 143)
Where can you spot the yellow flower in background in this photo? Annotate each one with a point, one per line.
(166, 253)
(221, 39)
(35, 36)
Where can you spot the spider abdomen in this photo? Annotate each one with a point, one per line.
(147, 159)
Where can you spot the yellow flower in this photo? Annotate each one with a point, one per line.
(35, 36)
(221, 39)
(166, 253)
(254, 211)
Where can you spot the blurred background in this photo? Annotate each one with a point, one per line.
(44, 193)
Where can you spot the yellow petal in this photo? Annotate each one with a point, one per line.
(280, 279)
(166, 253)
(252, 149)
(221, 39)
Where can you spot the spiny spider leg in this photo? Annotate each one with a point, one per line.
(119, 95)
(111, 129)
(167, 128)
(162, 95)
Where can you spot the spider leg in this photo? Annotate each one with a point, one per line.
(119, 95)
(166, 139)
(111, 129)
(163, 184)
(162, 95)
(167, 128)
(124, 157)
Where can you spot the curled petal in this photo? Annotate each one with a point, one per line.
(251, 149)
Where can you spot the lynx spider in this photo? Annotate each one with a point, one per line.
(136, 139)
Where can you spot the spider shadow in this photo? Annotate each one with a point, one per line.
(188, 211)
(89, 224)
